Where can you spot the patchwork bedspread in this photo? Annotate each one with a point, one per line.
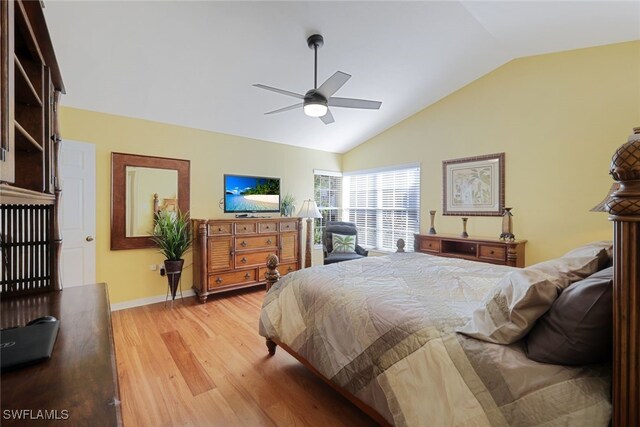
(383, 328)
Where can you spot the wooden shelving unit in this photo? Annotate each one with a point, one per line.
(31, 84)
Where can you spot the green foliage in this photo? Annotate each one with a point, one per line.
(264, 186)
(172, 234)
(287, 205)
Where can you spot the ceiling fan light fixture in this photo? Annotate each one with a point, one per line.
(315, 108)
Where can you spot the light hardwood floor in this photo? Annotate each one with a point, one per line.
(206, 365)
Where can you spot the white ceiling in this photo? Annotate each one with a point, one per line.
(194, 63)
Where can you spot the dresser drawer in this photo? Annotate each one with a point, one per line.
(429, 245)
(232, 278)
(245, 227)
(282, 268)
(219, 229)
(256, 242)
(254, 259)
(490, 252)
(267, 227)
(288, 225)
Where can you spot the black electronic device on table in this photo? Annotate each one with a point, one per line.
(29, 344)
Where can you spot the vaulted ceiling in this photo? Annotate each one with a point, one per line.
(193, 63)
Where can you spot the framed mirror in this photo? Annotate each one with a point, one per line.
(140, 186)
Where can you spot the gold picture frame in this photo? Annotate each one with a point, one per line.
(473, 186)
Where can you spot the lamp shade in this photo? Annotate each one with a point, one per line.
(309, 209)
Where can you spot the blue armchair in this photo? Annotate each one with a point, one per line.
(344, 228)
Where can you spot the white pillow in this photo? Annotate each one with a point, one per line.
(343, 243)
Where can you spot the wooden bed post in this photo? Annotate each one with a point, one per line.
(272, 276)
(624, 207)
(200, 266)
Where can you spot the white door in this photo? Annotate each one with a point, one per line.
(78, 213)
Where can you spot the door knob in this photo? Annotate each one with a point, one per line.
(89, 239)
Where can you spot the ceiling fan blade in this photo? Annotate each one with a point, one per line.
(281, 91)
(327, 119)
(290, 107)
(354, 103)
(333, 83)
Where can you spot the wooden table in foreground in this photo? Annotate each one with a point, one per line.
(79, 383)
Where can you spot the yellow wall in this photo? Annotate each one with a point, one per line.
(211, 154)
(558, 117)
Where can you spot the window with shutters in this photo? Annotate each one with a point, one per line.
(328, 197)
(384, 205)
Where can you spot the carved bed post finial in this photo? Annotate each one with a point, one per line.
(272, 275)
(624, 208)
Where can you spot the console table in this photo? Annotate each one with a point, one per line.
(481, 249)
(80, 381)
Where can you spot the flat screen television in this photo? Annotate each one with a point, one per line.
(250, 194)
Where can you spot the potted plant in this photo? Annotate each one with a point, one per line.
(172, 234)
(287, 206)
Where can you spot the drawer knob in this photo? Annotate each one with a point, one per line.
(243, 244)
(247, 276)
(243, 260)
(287, 226)
(491, 252)
(290, 269)
(269, 241)
(267, 227)
(219, 228)
(219, 280)
(244, 228)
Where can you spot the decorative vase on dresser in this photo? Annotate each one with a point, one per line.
(232, 253)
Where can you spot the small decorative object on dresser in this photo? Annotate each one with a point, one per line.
(464, 227)
(482, 249)
(233, 253)
(432, 229)
(287, 206)
(507, 225)
(172, 234)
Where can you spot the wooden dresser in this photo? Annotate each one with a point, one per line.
(79, 383)
(481, 249)
(232, 253)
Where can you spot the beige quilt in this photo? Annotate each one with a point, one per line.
(383, 328)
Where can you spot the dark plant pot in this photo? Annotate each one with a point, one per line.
(174, 271)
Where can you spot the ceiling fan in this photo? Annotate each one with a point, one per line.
(316, 101)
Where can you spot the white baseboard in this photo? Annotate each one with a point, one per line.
(148, 300)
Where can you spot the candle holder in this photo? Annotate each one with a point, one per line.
(507, 226)
(432, 229)
(464, 228)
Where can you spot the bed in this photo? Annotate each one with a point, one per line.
(383, 331)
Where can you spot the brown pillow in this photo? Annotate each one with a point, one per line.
(577, 330)
(577, 264)
(510, 310)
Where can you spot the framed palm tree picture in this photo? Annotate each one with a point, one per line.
(473, 186)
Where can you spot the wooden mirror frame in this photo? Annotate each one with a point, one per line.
(119, 163)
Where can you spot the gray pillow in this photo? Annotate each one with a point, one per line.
(577, 330)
